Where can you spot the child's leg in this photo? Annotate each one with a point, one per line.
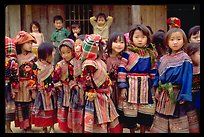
(142, 128)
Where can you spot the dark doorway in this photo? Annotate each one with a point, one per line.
(189, 14)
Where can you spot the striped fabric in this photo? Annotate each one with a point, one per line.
(10, 49)
(194, 125)
(101, 70)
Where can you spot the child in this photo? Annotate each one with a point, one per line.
(44, 110)
(158, 40)
(115, 46)
(173, 83)
(101, 25)
(75, 31)
(63, 79)
(194, 34)
(193, 50)
(173, 22)
(100, 115)
(27, 73)
(58, 35)
(135, 75)
(11, 82)
(76, 109)
(35, 30)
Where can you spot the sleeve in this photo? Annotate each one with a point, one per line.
(93, 21)
(53, 37)
(122, 72)
(186, 75)
(14, 75)
(56, 76)
(67, 33)
(109, 21)
(156, 77)
(43, 38)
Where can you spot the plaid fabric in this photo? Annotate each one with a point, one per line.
(10, 49)
(90, 47)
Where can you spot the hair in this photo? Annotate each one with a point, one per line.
(57, 17)
(158, 40)
(142, 28)
(75, 25)
(81, 37)
(192, 48)
(150, 29)
(36, 24)
(168, 34)
(18, 48)
(113, 37)
(193, 30)
(45, 50)
(101, 15)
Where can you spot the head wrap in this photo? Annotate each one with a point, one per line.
(68, 42)
(174, 22)
(10, 48)
(23, 37)
(90, 47)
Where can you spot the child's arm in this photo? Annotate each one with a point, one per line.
(93, 21)
(109, 21)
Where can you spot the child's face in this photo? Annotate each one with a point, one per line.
(196, 58)
(58, 24)
(175, 41)
(27, 47)
(101, 21)
(35, 28)
(66, 53)
(118, 45)
(195, 38)
(51, 57)
(139, 39)
(78, 46)
(76, 30)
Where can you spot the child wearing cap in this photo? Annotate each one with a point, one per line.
(44, 113)
(27, 76)
(11, 82)
(64, 82)
(100, 115)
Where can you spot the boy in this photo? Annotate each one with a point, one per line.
(101, 25)
(58, 35)
(76, 29)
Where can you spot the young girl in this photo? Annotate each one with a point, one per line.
(173, 84)
(115, 46)
(135, 75)
(63, 79)
(76, 109)
(35, 30)
(27, 69)
(11, 82)
(194, 34)
(44, 110)
(193, 50)
(100, 113)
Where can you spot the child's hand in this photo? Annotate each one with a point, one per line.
(124, 93)
(181, 102)
(75, 35)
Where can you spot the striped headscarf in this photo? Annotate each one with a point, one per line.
(90, 47)
(10, 48)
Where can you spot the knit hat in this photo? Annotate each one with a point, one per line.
(10, 48)
(174, 22)
(24, 37)
(90, 47)
(68, 42)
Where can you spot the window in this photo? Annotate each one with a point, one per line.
(80, 14)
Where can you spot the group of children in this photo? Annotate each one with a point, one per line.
(101, 84)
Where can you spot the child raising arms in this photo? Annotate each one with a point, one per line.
(135, 75)
(173, 84)
(101, 25)
(35, 30)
